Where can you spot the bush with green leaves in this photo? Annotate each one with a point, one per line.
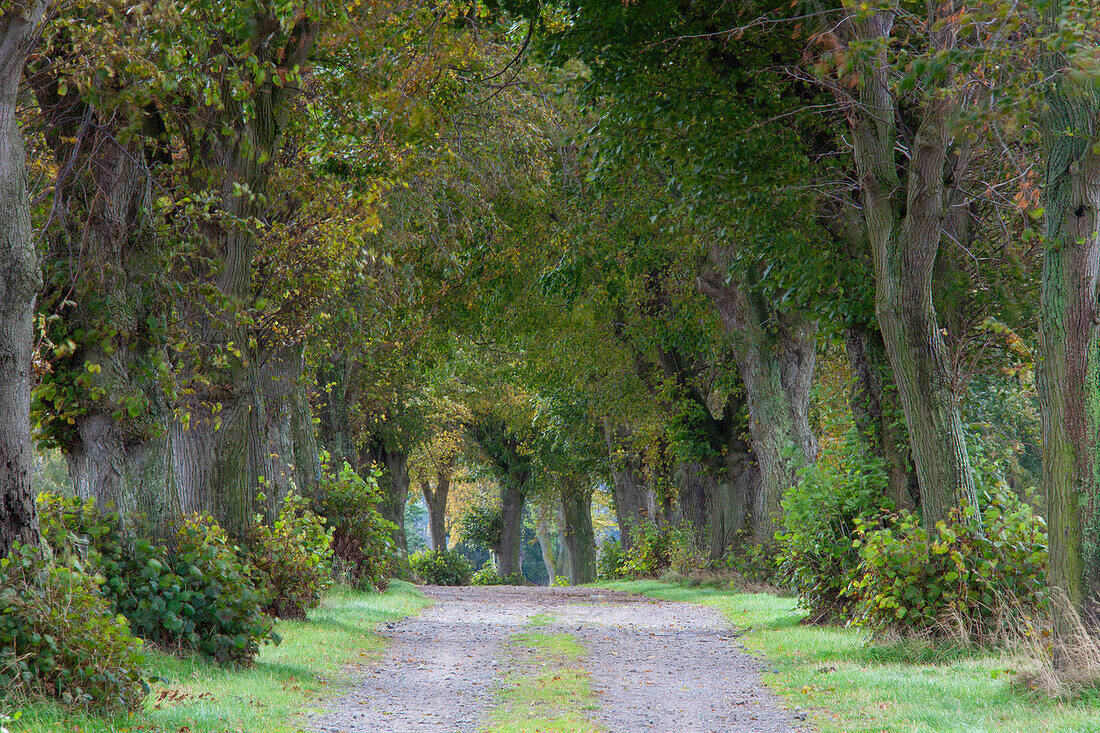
(202, 595)
(649, 553)
(967, 576)
(752, 560)
(294, 558)
(139, 579)
(60, 638)
(488, 575)
(481, 527)
(362, 539)
(228, 603)
(609, 561)
(440, 567)
(816, 556)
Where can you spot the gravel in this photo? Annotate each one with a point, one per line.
(655, 665)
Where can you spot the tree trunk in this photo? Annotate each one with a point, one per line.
(735, 496)
(630, 495)
(436, 501)
(579, 554)
(512, 503)
(1069, 350)
(878, 415)
(233, 147)
(905, 237)
(334, 397)
(775, 355)
(106, 272)
(394, 483)
(546, 544)
(513, 470)
(396, 494)
(19, 283)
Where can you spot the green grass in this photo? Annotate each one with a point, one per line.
(851, 684)
(546, 691)
(269, 697)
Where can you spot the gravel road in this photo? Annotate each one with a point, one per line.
(656, 665)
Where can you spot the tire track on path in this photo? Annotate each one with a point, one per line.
(656, 666)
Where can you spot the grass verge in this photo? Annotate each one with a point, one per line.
(851, 684)
(200, 697)
(546, 690)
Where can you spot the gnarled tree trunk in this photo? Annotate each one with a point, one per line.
(776, 353)
(19, 283)
(1069, 348)
(905, 223)
(106, 272)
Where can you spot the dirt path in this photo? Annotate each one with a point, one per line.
(655, 665)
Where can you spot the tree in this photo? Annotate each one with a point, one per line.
(697, 108)
(513, 470)
(1069, 347)
(105, 400)
(907, 210)
(19, 283)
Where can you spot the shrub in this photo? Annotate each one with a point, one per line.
(202, 595)
(488, 576)
(816, 555)
(684, 553)
(59, 637)
(609, 562)
(440, 567)
(294, 559)
(228, 606)
(140, 582)
(753, 561)
(963, 576)
(362, 540)
(481, 527)
(649, 553)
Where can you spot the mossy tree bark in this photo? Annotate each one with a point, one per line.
(106, 290)
(19, 283)
(628, 490)
(905, 222)
(232, 148)
(579, 539)
(335, 395)
(776, 353)
(1069, 350)
(719, 490)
